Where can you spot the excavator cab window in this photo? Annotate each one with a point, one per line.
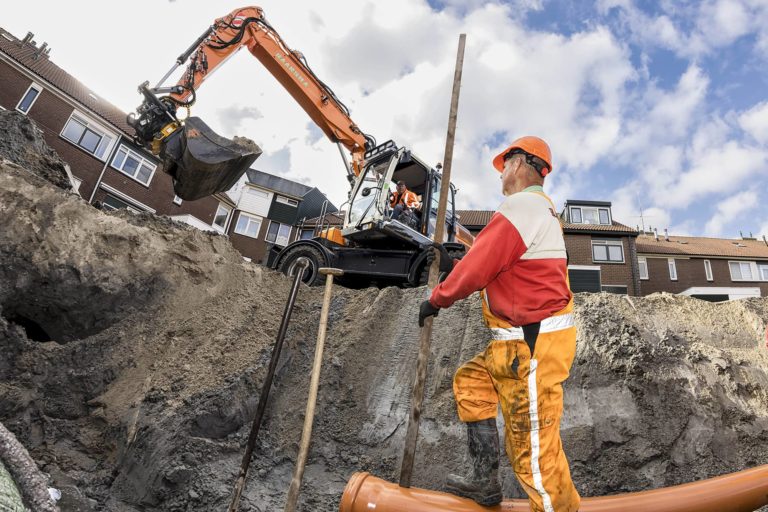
(372, 181)
(434, 201)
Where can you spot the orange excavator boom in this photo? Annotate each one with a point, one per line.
(200, 161)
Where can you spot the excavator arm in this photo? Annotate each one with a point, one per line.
(158, 127)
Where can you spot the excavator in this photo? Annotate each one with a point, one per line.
(371, 247)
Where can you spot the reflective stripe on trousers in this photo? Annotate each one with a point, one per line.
(531, 397)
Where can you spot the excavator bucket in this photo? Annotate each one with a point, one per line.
(203, 162)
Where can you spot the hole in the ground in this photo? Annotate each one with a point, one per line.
(33, 330)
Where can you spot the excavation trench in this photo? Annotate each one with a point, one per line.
(160, 336)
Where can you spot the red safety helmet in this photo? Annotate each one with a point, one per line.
(530, 146)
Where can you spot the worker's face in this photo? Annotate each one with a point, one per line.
(400, 188)
(511, 175)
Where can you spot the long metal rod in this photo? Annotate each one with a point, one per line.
(301, 265)
(417, 398)
(314, 383)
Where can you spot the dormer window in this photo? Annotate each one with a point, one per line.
(590, 215)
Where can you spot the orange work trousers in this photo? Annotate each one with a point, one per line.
(529, 389)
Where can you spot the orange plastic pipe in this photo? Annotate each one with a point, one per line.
(744, 491)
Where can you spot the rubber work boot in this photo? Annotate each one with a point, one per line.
(482, 485)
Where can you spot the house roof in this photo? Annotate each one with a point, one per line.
(276, 183)
(42, 66)
(613, 228)
(701, 246)
(471, 218)
(481, 218)
(334, 219)
(579, 202)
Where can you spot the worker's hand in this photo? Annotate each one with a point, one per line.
(446, 261)
(425, 310)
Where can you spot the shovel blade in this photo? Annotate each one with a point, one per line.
(203, 162)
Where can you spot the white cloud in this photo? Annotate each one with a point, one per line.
(755, 122)
(728, 211)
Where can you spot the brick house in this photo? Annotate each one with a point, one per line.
(268, 212)
(707, 268)
(92, 136)
(601, 251)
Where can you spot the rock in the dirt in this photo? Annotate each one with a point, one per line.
(22, 143)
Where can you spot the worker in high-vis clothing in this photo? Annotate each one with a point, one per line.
(519, 263)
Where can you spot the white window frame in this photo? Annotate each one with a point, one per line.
(279, 239)
(257, 192)
(595, 209)
(286, 200)
(221, 229)
(762, 271)
(177, 200)
(95, 128)
(753, 270)
(672, 269)
(607, 243)
(642, 264)
(32, 86)
(111, 208)
(708, 270)
(142, 162)
(250, 219)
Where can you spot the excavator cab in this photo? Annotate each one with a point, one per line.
(200, 161)
(369, 218)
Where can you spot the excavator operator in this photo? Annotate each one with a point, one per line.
(519, 262)
(403, 200)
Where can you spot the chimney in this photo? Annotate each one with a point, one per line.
(764, 240)
(27, 38)
(656, 234)
(41, 51)
(666, 234)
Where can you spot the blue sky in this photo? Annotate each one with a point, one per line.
(660, 104)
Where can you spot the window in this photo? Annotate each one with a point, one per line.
(285, 200)
(134, 165)
(307, 234)
(708, 270)
(590, 215)
(278, 233)
(221, 217)
(608, 250)
(743, 270)
(576, 215)
(763, 269)
(177, 200)
(33, 92)
(672, 269)
(256, 192)
(248, 225)
(111, 202)
(615, 288)
(88, 135)
(643, 264)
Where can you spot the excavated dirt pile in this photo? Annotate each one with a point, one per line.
(133, 350)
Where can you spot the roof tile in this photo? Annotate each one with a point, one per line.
(42, 66)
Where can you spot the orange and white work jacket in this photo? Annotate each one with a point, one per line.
(519, 259)
(407, 198)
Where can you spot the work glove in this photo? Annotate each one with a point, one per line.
(446, 261)
(425, 310)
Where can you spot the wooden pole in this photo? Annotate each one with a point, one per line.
(411, 436)
(264, 397)
(314, 383)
